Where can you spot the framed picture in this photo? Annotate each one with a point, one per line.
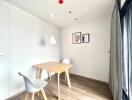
(86, 38)
(76, 38)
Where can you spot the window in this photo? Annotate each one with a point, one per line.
(122, 2)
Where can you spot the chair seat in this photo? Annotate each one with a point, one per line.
(39, 84)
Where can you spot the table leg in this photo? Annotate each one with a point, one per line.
(49, 74)
(38, 76)
(39, 73)
(65, 75)
(58, 86)
(68, 79)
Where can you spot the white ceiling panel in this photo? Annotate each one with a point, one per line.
(81, 9)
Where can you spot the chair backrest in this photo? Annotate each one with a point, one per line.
(66, 61)
(28, 84)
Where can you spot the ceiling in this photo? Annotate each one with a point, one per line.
(53, 12)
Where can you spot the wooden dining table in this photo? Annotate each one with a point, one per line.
(55, 67)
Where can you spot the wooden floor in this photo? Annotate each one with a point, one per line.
(82, 89)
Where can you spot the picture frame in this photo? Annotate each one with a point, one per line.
(85, 38)
(76, 38)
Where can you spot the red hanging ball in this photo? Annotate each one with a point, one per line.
(61, 1)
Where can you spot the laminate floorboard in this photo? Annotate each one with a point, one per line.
(82, 89)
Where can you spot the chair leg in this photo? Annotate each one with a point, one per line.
(26, 97)
(44, 95)
(33, 96)
(38, 94)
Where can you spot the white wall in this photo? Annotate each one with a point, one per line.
(91, 60)
(20, 35)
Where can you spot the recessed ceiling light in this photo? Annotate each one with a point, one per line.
(70, 11)
(76, 19)
(51, 15)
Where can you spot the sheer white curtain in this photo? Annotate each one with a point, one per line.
(116, 55)
(129, 21)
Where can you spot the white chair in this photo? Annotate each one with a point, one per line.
(34, 87)
(66, 61)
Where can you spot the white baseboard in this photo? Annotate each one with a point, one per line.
(13, 94)
(16, 92)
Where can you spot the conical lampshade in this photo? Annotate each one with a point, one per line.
(52, 40)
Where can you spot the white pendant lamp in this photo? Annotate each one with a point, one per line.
(52, 40)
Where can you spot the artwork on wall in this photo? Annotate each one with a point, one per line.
(76, 38)
(86, 38)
